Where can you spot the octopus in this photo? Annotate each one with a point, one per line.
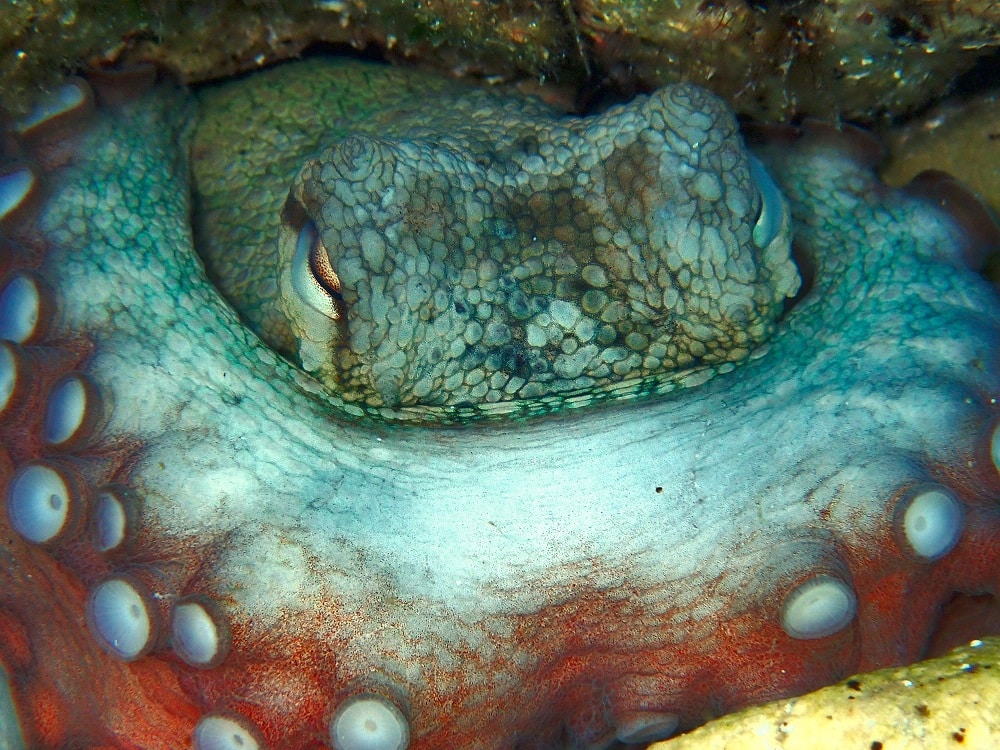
(345, 408)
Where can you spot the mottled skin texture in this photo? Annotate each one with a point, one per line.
(535, 584)
(476, 263)
(497, 251)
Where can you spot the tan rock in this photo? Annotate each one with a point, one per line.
(949, 702)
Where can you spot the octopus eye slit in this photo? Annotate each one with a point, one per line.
(772, 209)
(322, 271)
(314, 279)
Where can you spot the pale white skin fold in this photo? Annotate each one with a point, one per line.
(596, 576)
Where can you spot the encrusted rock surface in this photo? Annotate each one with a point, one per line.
(848, 58)
(951, 701)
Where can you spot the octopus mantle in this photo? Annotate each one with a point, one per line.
(202, 541)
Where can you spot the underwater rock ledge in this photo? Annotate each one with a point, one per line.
(850, 59)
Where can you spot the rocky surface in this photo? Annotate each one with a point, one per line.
(773, 60)
(951, 701)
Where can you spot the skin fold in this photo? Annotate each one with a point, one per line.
(586, 565)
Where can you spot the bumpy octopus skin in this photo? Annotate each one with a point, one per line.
(203, 543)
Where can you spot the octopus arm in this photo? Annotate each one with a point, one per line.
(204, 544)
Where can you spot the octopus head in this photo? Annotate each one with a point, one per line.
(526, 254)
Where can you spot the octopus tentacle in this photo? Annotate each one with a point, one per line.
(247, 560)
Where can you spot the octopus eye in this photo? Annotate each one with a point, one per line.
(309, 292)
(314, 279)
(772, 207)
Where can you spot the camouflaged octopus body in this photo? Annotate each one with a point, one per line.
(503, 251)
